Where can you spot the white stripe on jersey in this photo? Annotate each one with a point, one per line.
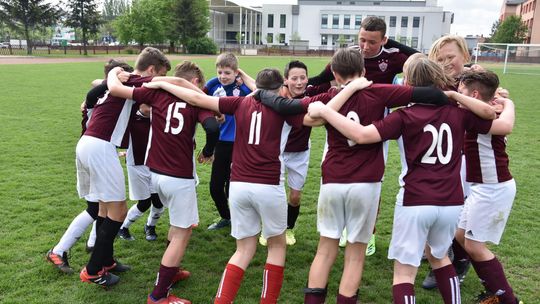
(283, 142)
(121, 123)
(404, 170)
(410, 299)
(149, 144)
(456, 294)
(488, 165)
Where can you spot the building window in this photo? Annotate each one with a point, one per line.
(335, 39)
(392, 38)
(347, 22)
(269, 38)
(416, 22)
(404, 21)
(393, 21)
(414, 42)
(281, 38)
(339, 2)
(324, 39)
(357, 21)
(335, 21)
(324, 21)
(230, 19)
(352, 3)
(282, 20)
(403, 40)
(270, 20)
(382, 18)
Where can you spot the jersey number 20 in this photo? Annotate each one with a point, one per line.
(438, 137)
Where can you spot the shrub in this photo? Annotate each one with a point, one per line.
(203, 45)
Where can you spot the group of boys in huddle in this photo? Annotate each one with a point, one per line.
(255, 129)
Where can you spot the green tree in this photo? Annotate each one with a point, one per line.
(143, 23)
(511, 30)
(25, 16)
(191, 19)
(111, 10)
(83, 15)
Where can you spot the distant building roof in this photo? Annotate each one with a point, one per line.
(514, 2)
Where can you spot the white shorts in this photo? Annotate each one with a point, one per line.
(179, 196)
(140, 182)
(352, 206)
(99, 172)
(486, 211)
(297, 164)
(251, 204)
(416, 226)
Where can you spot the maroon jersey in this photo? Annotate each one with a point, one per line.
(110, 116)
(139, 129)
(298, 140)
(345, 161)
(260, 139)
(486, 158)
(170, 147)
(385, 66)
(432, 140)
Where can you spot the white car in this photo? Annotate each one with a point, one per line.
(4, 45)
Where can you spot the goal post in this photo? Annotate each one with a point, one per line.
(516, 58)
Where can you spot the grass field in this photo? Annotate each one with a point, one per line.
(40, 126)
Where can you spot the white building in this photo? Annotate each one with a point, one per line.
(323, 24)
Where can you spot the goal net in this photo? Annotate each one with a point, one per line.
(514, 58)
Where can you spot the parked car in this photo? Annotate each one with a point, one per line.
(4, 45)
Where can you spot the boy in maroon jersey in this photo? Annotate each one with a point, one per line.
(431, 197)
(297, 149)
(170, 158)
(492, 193)
(99, 172)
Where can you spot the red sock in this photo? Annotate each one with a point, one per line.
(163, 282)
(448, 284)
(492, 273)
(229, 285)
(314, 295)
(403, 293)
(341, 299)
(272, 281)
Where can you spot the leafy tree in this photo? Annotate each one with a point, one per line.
(191, 20)
(26, 15)
(511, 30)
(142, 24)
(83, 15)
(111, 10)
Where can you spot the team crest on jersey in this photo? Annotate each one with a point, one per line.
(236, 92)
(383, 65)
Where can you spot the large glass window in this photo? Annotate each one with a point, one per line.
(404, 21)
(335, 39)
(324, 21)
(335, 21)
(230, 19)
(270, 20)
(281, 38)
(282, 20)
(324, 39)
(347, 22)
(416, 22)
(393, 21)
(357, 21)
(414, 42)
(269, 38)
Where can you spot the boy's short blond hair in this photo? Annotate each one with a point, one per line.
(189, 70)
(420, 71)
(227, 60)
(439, 43)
